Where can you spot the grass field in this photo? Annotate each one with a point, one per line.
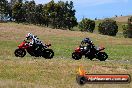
(60, 72)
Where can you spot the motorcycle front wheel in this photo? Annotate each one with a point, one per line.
(20, 52)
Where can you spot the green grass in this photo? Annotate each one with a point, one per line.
(63, 47)
(61, 71)
(57, 73)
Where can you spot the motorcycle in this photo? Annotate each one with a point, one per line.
(43, 52)
(91, 53)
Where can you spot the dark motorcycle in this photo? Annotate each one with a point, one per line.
(43, 52)
(91, 53)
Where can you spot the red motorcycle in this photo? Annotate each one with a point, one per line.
(92, 53)
(24, 46)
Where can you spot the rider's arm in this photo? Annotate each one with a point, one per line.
(32, 42)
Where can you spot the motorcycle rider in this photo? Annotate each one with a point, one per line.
(87, 44)
(34, 41)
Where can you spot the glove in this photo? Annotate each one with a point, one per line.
(30, 44)
(26, 44)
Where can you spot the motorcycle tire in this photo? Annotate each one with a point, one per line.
(76, 56)
(20, 52)
(48, 53)
(102, 56)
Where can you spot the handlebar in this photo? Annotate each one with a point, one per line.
(48, 45)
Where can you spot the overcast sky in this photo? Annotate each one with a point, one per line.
(98, 8)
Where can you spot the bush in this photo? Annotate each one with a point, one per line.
(127, 28)
(87, 25)
(108, 27)
(127, 33)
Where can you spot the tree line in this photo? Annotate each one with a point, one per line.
(56, 15)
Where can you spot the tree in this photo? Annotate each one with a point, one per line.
(57, 15)
(15, 1)
(18, 12)
(51, 13)
(61, 14)
(29, 7)
(3, 9)
(108, 27)
(39, 14)
(87, 25)
(127, 28)
(70, 18)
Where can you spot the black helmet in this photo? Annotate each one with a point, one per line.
(86, 40)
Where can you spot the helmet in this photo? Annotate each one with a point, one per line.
(29, 36)
(86, 40)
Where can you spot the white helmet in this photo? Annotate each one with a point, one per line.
(29, 36)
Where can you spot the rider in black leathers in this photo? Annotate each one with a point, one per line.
(89, 45)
